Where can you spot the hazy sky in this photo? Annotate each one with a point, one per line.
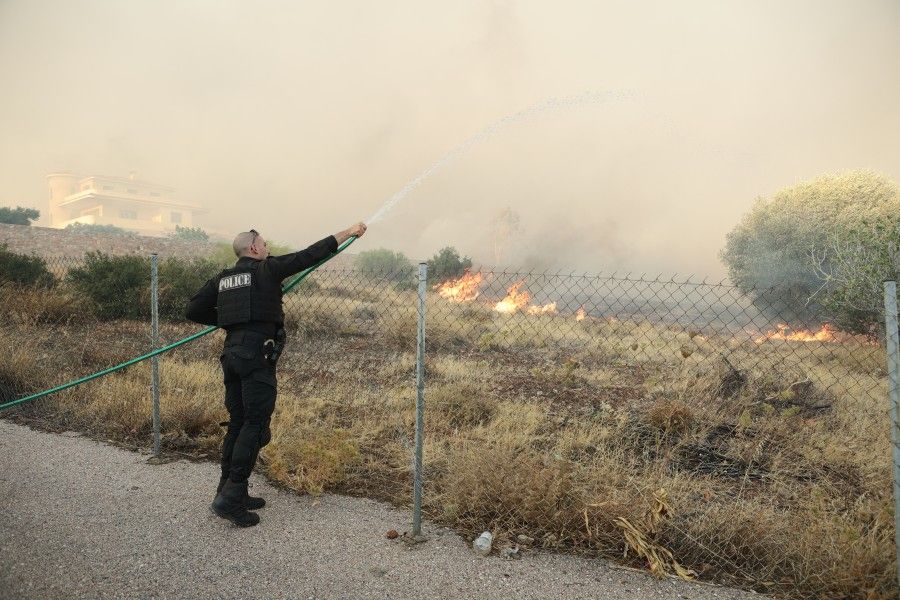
(300, 118)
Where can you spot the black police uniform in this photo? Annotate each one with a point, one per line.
(245, 300)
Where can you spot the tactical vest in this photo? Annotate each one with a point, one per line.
(244, 296)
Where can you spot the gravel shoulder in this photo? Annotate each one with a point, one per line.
(86, 520)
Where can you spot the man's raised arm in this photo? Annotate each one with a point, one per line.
(294, 262)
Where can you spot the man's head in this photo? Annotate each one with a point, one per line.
(250, 243)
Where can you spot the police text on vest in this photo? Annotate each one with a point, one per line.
(231, 282)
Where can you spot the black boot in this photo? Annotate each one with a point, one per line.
(251, 502)
(229, 504)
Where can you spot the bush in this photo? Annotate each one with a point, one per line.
(18, 215)
(119, 286)
(387, 265)
(277, 249)
(189, 233)
(381, 261)
(91, 228)
(783, 252)
(22, 269)
(223, 255)
(179, 279)
(447, 264)
(858, 261)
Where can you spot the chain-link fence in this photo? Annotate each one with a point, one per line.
(672, 424)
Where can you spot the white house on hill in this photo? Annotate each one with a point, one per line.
(145, 208)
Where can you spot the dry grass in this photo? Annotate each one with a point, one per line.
(23, 368)
(33, 306)
(751, 464)
(120, 406)
(307, 452)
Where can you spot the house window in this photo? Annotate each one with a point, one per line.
(107, 187)
(154, 194)
(127, 213)
(176, 217)
(85, 186)
(132, 191)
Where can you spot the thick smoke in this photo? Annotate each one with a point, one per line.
(298, 119)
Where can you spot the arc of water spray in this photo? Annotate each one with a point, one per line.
(552, 104)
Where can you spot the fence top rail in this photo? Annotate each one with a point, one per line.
(560, 274)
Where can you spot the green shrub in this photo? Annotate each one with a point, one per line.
(384, 264)
(22, 269)
(860, 259)
(119, 286)
(189, 233)
(92, 228)
(223, 254)
(116, 286)
(381, 261)
(18, 215)
(447, 264)
(277, 249)
(784, 252)
(179, 279)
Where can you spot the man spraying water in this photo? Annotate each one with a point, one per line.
(245, 300)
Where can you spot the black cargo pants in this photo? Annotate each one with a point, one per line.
(250, 389)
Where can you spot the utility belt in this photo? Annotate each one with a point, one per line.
(271, 346)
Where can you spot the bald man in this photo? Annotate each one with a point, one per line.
(245, 300)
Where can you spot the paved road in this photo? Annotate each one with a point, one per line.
(86, 520)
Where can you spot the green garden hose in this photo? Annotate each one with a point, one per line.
(171, 346)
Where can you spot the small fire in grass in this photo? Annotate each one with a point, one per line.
(580, 314)
(464, 289)
(467, 289)
(785, 332)
(515, 300)
(547, 309)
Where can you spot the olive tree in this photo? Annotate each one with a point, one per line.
(800, 254)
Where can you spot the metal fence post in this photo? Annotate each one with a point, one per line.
(420, 405)
(892, 340)
(154, 362)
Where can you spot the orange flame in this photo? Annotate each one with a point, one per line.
(825, 334)
(515, 300)
(547, 309)
(464, 289)
(580, 314)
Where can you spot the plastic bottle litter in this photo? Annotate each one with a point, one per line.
(482, 544)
